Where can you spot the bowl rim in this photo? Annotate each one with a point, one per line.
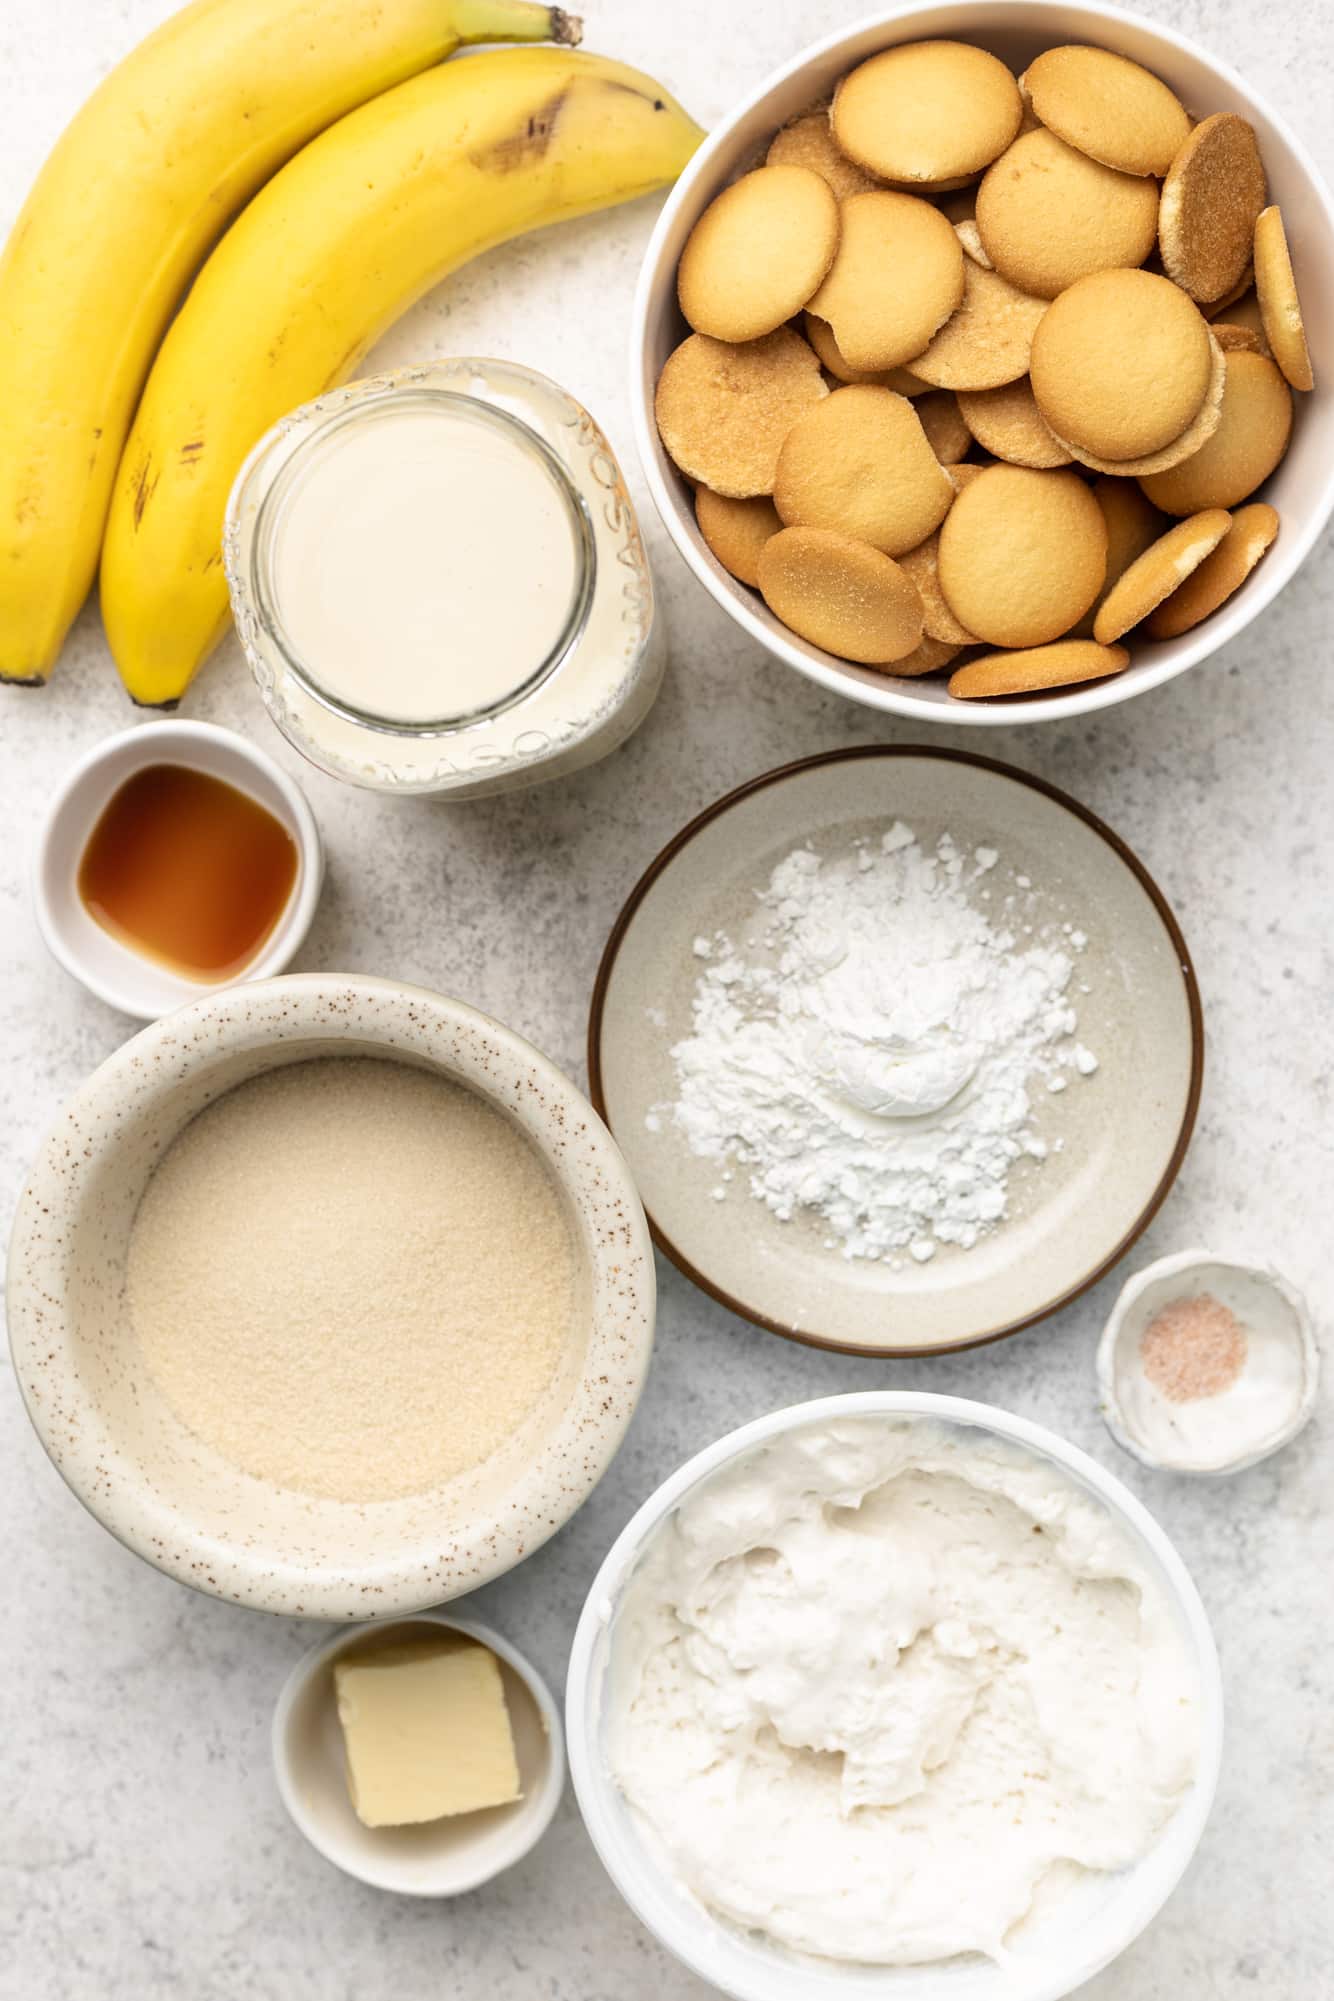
(825, 669)
(592, 1779)
(231, 1568)
(138, 746)
(682, 839)
(285, 1770)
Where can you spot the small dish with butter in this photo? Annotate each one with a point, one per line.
(422, 1757)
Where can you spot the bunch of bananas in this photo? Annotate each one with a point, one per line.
(328, 168)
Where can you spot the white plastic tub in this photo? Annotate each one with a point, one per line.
(1112, 1915)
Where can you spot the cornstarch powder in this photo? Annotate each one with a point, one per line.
(870, 1053)
(352, 1278)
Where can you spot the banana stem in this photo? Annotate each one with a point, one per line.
(514, 21)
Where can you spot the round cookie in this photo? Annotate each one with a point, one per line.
(1023, 555)
(821, 337)
(841, 594)
(1048, 215)
(940, 417)
(1211, 200)
(736, 530)
(808, 141)
(1280, 308)
(1122, 364)
(1251, 438)
(1108, 107)
(927, 112)
(757, 253)
(1008, 423)
(1183, 447)
(896, 277)
(861, 463)
(1153, 576)
(1221, 574)
(922, 564)
(723, 411)
(1028, 670)
(988, 341)
(1132, 524)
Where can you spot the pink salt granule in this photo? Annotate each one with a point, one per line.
(1193, 1348)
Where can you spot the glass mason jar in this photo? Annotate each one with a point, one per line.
(588, 619)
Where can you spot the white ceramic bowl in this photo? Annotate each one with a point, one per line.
(444, 1858)
(1265, 1408)
(741, 1964)
(1115, 1142)
(126, 979)
(1016, 30)
(127, 1456)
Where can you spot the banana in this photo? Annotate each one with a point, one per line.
(141, 183)
(371, 215)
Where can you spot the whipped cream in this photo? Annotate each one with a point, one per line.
(881, 1684)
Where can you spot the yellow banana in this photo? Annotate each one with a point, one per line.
(140, 184)
(371, 215)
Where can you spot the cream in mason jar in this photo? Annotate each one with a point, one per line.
(440, 584)
(425, 563)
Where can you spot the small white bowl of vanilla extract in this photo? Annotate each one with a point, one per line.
(176, 859)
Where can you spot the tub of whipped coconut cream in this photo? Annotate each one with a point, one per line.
(894, 1693)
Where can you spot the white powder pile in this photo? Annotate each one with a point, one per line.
(351, 1278)
(868, 1053)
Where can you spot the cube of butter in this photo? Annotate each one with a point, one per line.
(426, 1730)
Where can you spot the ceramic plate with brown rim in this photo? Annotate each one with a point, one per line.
(1114, 1139)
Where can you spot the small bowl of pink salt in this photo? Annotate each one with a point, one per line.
(1207, 1364)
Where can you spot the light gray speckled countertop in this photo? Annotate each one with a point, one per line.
(143, 1852)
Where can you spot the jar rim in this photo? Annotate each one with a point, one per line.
(591, 701)
(355, 413)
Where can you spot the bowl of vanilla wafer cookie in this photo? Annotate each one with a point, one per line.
(981, 361)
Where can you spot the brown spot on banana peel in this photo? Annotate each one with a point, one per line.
(529, 143)
(144, 486)
(522, 148)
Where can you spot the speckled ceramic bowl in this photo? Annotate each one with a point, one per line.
(154, 1484)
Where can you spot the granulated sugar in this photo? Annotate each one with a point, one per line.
(352, 1278)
